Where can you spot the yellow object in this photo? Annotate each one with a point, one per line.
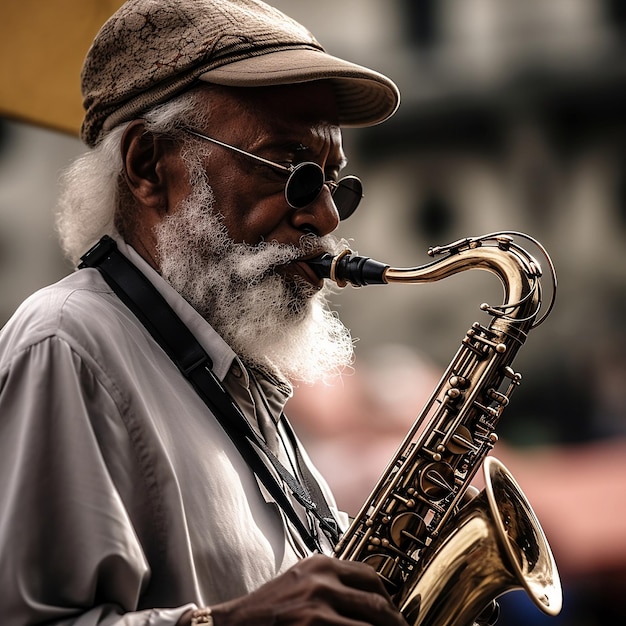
(42, 47)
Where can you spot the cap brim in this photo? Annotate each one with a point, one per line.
(364, 97)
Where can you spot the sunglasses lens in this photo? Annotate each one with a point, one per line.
(347, 195)
(304, 185)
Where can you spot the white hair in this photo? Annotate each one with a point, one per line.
(89, 201)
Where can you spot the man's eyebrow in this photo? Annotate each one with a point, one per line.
(342, 163)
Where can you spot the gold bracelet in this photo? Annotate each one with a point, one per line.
(202, 616)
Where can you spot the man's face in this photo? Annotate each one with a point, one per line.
(287, 125)
(232, 246)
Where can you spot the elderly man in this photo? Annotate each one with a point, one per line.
(149, 475)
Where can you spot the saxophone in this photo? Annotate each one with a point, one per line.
(443, 553)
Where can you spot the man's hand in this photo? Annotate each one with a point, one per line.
(318, 590)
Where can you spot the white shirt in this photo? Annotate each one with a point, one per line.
(120, 494)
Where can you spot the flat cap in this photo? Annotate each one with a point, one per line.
(151, 50)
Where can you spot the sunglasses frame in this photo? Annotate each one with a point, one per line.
(291, 170)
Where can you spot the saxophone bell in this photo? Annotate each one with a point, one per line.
(494, 545)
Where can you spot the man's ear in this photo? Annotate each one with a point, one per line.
(143, 157)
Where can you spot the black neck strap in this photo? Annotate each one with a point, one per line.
(149, 306)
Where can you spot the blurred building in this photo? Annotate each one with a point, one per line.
(512, 119)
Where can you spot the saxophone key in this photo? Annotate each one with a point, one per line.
(454, 393)
(459, 382)
(387, 568)
(516, 377)
(461, 441)
(437, 481)
(407, 527)
(501, 398)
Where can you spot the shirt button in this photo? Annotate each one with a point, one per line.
(236, 371)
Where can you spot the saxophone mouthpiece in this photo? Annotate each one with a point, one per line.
(349, 268)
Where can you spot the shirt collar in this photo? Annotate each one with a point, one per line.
(276, 391)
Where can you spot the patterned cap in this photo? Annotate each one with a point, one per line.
(151, 50)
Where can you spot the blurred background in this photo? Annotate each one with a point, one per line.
(512, 119)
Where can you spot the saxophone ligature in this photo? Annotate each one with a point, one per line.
(445, 554)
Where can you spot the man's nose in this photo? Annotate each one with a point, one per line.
(320, 216)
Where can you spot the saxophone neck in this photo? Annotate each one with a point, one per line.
(497, 253)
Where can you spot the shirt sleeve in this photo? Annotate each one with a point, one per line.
(68, 551)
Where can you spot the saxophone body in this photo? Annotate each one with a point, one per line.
(443, 554)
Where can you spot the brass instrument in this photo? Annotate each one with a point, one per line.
(444, 556)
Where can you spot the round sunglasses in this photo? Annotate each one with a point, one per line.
(305, 181)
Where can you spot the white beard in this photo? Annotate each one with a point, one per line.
(269, 321)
